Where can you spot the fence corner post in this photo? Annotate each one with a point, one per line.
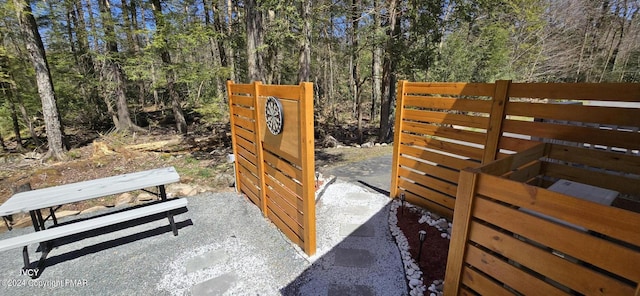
(260, 151)
(496, 119)
(397, 130)
(308, 167)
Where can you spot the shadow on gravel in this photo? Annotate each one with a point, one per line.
(53, 260)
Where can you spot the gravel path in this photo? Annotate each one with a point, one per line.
(225, 247)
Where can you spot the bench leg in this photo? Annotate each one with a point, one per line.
(174, 228)
(6, 222)
(25, 257)
(34, 220)
(52, 213)
(163, 192)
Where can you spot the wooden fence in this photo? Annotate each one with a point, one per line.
(275, 156)
(442, 128)
(510, 237)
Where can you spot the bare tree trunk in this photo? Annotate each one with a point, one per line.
(16, 125)
(376, 85)
(304, 62)
(38, 57)
(113, 74)
(229, 47)
(255, 39)
(178, 114)
(388, 72)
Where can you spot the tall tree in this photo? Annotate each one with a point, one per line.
(304, 62)
(113, 75)
(255, 40)
(165, 56)
(389, 69)
(38, 57)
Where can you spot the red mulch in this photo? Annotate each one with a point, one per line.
(433, 260)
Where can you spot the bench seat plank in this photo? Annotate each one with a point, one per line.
(74, 192)
(90, 224)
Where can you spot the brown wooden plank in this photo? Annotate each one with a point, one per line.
(242, 101)
(246, 134)
(601, 253)
(510, 275)
(596, 158)
(442, 159)
(440, 172)
(516, 144)
(288, 157)
(288, 92)
(241, 142)
(460, 231)
(577, 113)
(241, 88)
(247, 155)
(429, 182)
(433, 143)
(283, 166)
(579, 134)
(428, 193)
(285, 229)
(626, 92)
(307, 157)
(444, 132)
(446, 118)
(502, 166)
(244, 123)
(526, 173)
(617, 183)
(398, 127)
(569, 274)
(428, 204)
(291, 222)
(494, 128)
(250, 190)
(242, 112)
(284, 192)
(284, 180)
(285, 205)
(248, 165)
(445, 88)
(613, 222)
(482, 284)
(250, 176)
(468, 105)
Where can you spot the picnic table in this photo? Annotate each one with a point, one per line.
(52, 198)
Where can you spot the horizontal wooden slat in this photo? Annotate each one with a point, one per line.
(515, 161)
(626, 92)
(430, 142)
(482, 284)
(246, 134)
(427, 181)
(468, 105)
(444, 132)
(510, 275)
(282, 165)
(570, 274)
(244, 123)
(284, 192)
(442, 159)
(598, 179)
(241, 88)
(241, 142)
(286, 181)
(288, 157)
(526, 173)
(466, 89)
(249, 156)
(577, 113)
(446, 118)
(516, 144)
(428, 204)
(595, 158)
(250, 175)
(604, 254)
(285, 229)
(286, 205)
(291, 222)
(243, 112)
(577, 134)
(242, 101)
(290, 92)
(429, 194)
(616, 223)
(440, 172)
(249, 189)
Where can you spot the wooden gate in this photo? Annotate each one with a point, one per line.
(273, 141)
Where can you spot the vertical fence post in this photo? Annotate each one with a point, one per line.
(496, 119)
(397, 130)
(260, 118)
(232, 122)
(308, 167)
(460, 230)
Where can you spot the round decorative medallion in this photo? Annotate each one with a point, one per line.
(273, 115)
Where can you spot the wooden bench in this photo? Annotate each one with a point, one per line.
(45, 237)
